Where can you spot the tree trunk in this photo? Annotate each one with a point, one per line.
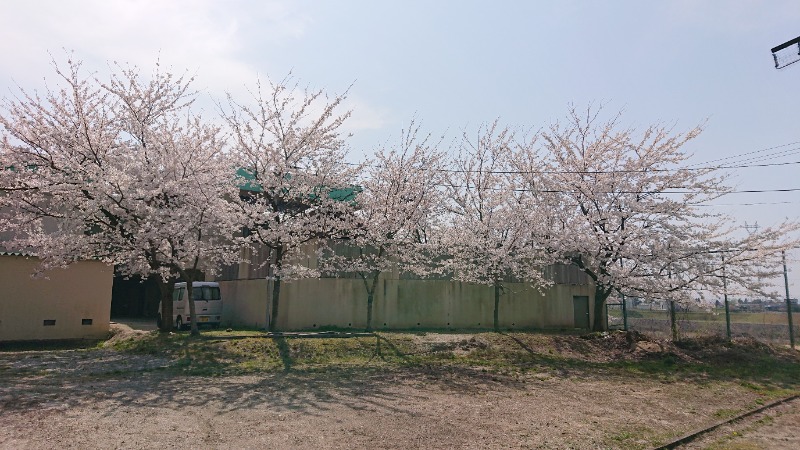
(165, 289)
(370, 296)
(600, 322)
(189, 275)
(276, 295)
(496, 306)
(276, 289)
(673, 323)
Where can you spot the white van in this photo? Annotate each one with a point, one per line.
(207, 303)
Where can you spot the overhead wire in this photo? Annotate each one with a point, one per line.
(598, 172)
(733, 157)
(736, 162)
(561, 191)
(747, 204)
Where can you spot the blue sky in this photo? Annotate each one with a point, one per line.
(457, 64)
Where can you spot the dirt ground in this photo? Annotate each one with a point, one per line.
(776, 428)
(100, 398)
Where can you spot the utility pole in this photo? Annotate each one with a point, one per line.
(788, 300)
(751, 228)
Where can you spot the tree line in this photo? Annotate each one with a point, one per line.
(123, 169)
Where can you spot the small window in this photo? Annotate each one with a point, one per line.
(86, 321)
(49, 322)
(177, 294)
(205, 293)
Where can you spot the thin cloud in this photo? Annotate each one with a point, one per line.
(201, 36)
(742, 16)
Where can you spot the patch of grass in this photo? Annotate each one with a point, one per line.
(766, 420)
(725, 413)
(763, 370)
(734, 440)
(233, 332)
(210, 355)
(635, 439)
(153, 343)
(727, 444)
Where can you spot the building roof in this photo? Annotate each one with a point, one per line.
(8, 253)
(347, 194)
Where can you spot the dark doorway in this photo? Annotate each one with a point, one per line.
(581, 307)
(133, 297)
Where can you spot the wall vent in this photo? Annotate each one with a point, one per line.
(86, 321)
(49, 322)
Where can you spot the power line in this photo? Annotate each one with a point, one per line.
(758, 191)
(598, 172)
(771, 156)
(747, 153)
(748, 204)
(559, 191)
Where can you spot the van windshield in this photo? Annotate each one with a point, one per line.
(205, 293)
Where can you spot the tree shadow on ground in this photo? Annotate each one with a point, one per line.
(194, 376)
(285, 353)
(65, 378)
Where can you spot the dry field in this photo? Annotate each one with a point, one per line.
(392, 390)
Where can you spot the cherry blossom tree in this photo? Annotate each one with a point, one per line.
(300, 192)
(622, 206)
(401, 196)
(120, 171)
(488, 236)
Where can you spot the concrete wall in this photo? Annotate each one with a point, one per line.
(315, 303)
(68, 296)
(244, 302)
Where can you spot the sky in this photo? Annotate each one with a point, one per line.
(454, 65)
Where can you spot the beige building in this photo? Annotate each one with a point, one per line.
(71, 303)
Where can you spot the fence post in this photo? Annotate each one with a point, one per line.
(725, 293)
(788, 300)
(624, 314)
(624, 307)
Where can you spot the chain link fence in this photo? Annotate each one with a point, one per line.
(766, 325)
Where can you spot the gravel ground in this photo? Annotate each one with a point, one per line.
(103, 399)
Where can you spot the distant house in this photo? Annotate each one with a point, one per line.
(71, 303)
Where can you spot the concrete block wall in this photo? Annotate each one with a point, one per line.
(399, 304)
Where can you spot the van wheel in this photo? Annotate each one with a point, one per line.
(178, 324)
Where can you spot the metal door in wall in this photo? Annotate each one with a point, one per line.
(581, 307)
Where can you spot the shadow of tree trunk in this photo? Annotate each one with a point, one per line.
(285, 352)
(519, 342)
(390, 345)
